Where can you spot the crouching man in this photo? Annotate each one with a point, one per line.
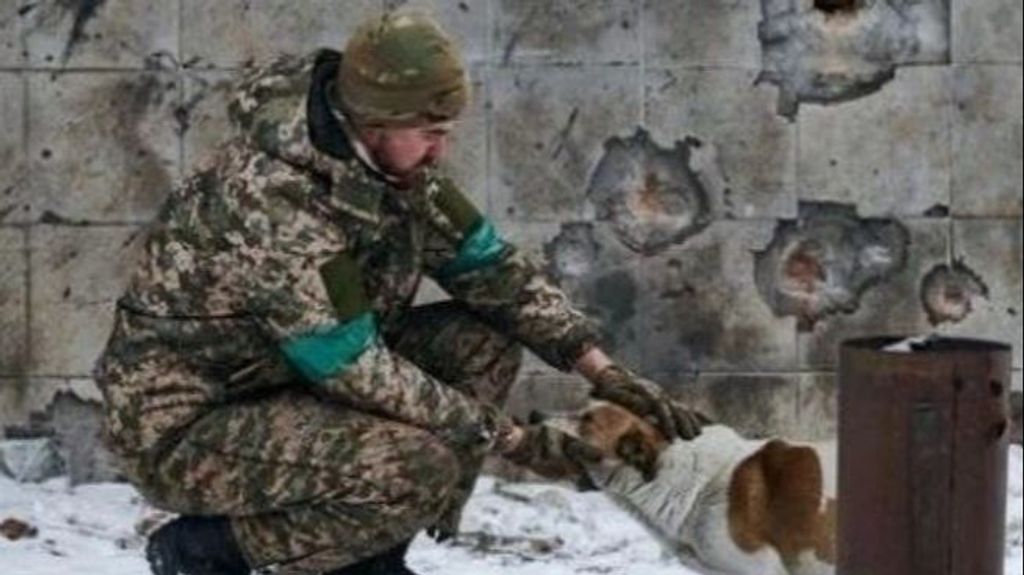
(267, 377)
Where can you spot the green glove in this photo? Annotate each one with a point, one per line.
(647, 399)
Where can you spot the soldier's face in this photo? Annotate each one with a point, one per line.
(403, 152)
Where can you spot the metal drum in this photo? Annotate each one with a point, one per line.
(923, 442)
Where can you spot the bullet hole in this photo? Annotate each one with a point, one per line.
(67, 293)
(675, 285)
(823, 262)
(949, 292)
(651, 196)
(833, 51)
(24, 10)
(803, 267)
(834, 6)
(937, 211)
(46, 153)
(463, 6)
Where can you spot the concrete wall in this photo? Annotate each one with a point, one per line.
(731, 187)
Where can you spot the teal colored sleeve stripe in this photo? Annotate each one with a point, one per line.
(480, 248)
(327, 352)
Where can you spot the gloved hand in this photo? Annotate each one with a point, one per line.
(647, 399)
(545, 450)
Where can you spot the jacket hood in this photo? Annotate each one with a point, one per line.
(284, 109)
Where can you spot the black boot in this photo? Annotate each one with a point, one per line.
(195, 546)
(390, 562)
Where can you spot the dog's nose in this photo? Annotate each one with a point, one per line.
(536, 417)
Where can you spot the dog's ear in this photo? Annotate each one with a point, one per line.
(635, 449)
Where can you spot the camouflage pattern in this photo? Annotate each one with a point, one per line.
(313, 484)
(205, 411)
(401, 69)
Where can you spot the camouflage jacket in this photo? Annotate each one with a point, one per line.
(235, 289)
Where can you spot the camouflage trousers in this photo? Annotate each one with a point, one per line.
(312, 485)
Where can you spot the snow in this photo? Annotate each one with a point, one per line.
(508, 529)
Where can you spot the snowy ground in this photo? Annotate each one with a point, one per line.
(509, 529)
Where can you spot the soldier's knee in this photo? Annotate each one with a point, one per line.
(433, 471)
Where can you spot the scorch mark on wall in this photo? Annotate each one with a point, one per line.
(822, 263)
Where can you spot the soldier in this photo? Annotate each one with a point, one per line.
(267, 377)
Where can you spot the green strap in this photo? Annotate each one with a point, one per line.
(343, 281)
(453, 203)
(329, 351)
(480, 248)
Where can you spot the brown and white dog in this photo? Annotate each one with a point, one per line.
(723, 503)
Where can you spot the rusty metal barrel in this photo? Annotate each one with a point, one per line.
(923, 447)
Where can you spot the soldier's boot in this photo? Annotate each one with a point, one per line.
(390, 562)
(195, 546)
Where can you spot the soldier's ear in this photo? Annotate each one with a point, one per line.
(634, 448)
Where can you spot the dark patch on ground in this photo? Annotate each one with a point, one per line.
(823, 262)
(833, 51)
(948, 292)
(14, 529)
(650, 195)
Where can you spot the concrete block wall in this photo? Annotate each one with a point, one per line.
(888, 203)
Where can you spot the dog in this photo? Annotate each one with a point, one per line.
(724, 504)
